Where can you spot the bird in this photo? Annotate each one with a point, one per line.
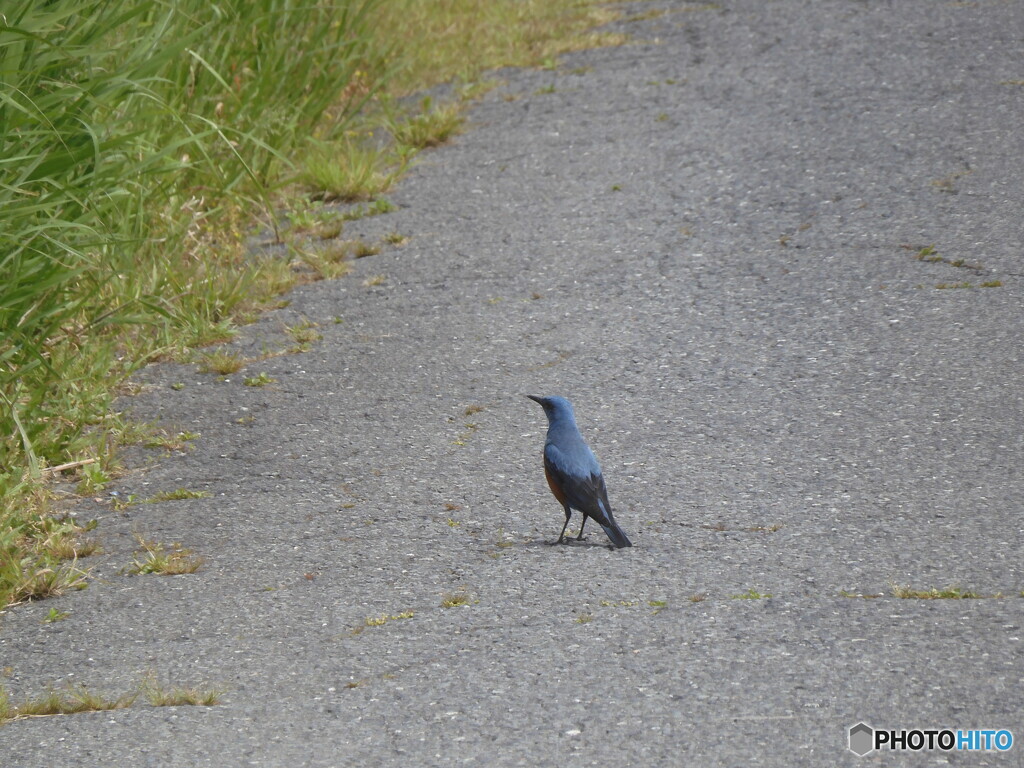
(573, 472)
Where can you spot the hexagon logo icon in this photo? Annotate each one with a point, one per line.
(861, 739)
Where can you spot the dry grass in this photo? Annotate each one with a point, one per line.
(468, 37)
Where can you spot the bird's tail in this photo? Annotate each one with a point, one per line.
(617, 535)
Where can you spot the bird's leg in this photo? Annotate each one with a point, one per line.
(580, 536)
(568, 514)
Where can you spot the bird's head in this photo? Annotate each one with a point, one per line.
(555, 408)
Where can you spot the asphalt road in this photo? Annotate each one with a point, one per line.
(709, 241)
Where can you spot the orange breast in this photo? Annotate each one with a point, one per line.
(555, 487)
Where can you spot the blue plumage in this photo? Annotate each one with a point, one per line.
(573, 473)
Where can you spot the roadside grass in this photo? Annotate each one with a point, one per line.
(443, 39)
(75, 699)
(431, 127)
(142, 146)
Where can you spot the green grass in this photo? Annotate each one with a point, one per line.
(349, 170)
(177, 494)
(456, 599)
(949, 593)
(72, 700)
(262, 380)
(158, 694)
(433, 126)
(68, 701)
(155, 557)
(751, 594)
(142, 144)
(442, 39)
(53, 616)
(221, 362)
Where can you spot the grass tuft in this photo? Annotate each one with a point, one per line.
(455, 599)
(154, 557)
(160, 695)
(178, 494)
(949, 593)
(433, 126)
(750, 594)
(68, 701)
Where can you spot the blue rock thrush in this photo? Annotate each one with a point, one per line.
(573, 472)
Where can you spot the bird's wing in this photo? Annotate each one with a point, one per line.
(580, 481)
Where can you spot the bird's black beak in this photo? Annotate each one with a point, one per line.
(536, 399)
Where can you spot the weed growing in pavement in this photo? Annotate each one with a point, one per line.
(222, 362)
(154, 557)
(750, 594)
(455, 599)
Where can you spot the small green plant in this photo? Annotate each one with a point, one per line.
(502, 542)
(178, 494)
(546, 89)
(94, 479)
(158, 438)
(325, 263)
(160, 695)
(378, 207)
(74, 546)
(433, 126)
(121, 503)
(258, 381)
(396, 239)
(992, 284)
(221, 362)
(949, 593)
(154, 557)
(375, 280)
(349, 170)
(362, 249)
(304, 334)
(698, 597)
(380, 621)
(381, 206)
(584, 618)
(54, 616)
(329, 230)
(455, 599)
(452, 523)
(750, 594)
(178, 386)
(68, 701)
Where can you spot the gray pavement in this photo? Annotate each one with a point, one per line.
(707, 240)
